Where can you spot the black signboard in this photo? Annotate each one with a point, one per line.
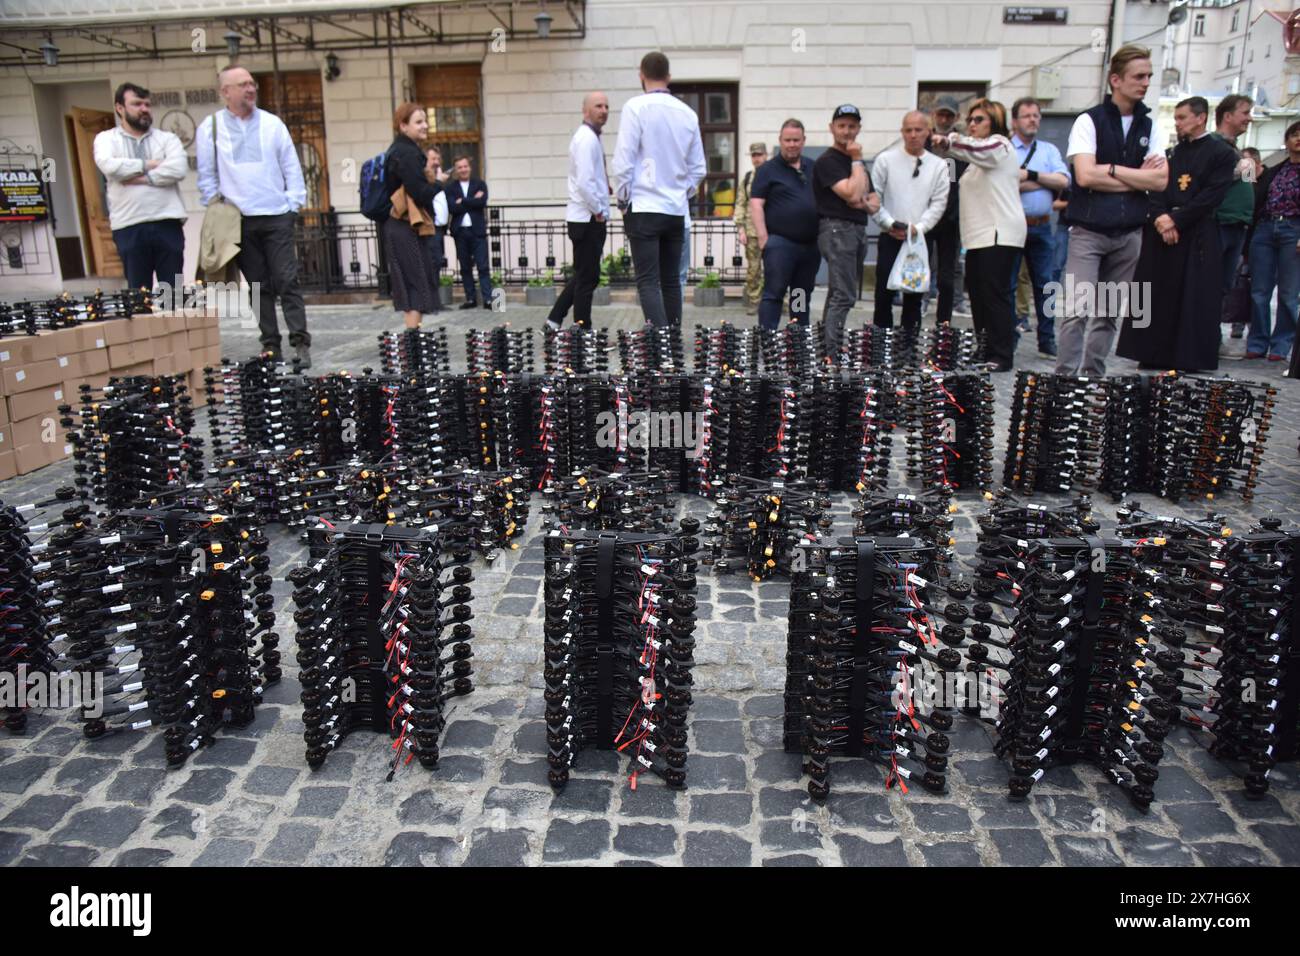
(22, 196)
(1056, 15)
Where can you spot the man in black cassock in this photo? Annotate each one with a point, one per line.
(1181, 255)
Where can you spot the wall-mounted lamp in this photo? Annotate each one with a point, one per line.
(50, 52)
(332, 70)
(543, 21)
(233, 40)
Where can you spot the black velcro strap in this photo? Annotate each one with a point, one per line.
(864, 592)
(605, 642)
(1085, 645)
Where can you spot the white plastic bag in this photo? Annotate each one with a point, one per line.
(911, 272)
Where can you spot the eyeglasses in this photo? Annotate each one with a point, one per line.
(917, 172)
(971, 120)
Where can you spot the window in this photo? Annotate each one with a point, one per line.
(1251, 58)
(450, 96)
(1198, 25)
(1236, 21)
(715, 105)
(1293, 84)
(1232, 56)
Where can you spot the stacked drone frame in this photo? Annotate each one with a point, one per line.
(65, 311)
(663, 432)
(625, 501)
(24, 583)
(947, 348)
(759, 525)
(739, 422)
(950, 435)
(499, 349)
(619, 648)
(1224, 633)
(927, 517)
(1079, 685)
(794, 351)
(1056, 433)
(383, 638)
(153, 603)
(415, 352)
(1126, 435)
(872, 347)
(576, 351)
(1208, 436)
(651, 349)
(862, 626)
(573, 413)
(133, 439)
(720, 349)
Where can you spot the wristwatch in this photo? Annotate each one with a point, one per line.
(1033, 175)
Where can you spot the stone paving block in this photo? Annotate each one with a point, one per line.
(731, 809)
(1086, 851)
(468, 735)
(322, 802)
(1283, 839)
(41, 812)
(1145, 848)
(717, 736)
(143, 857)
(101, 826)
(950, 854)
(1022, 847)
(583, 796)
(715, 773)
(650, 800)
(498, 848)
(645, 839)
(793, 834)
(11, 845)
(794, 859)
(271, 781)
(1229, 854)
(856, 851)
(83, 773)
(567, 840)
(292, 843)
(411, 848)
(137, 785)
(52, 854)
(716, 848)
(226, 751)
(204, 786)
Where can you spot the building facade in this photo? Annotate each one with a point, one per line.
(506, 96)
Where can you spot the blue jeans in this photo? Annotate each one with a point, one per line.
(1233, 240)
(787, 265)
(686, 258)
(1062, 250)
(1274, 262)
(1040, 252)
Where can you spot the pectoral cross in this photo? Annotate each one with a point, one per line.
(1184, 181)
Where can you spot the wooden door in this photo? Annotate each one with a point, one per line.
(299, 102)
(84, 126)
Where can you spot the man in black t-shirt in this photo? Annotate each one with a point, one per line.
(842, 191)
(785, 221)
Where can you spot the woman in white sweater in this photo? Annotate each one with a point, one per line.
(992, 224)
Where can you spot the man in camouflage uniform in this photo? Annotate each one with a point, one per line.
(746, 234)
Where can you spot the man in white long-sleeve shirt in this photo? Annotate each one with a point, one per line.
(586, 213)
(256, 168)
(913, 188)
(143, 167)
(658, 166)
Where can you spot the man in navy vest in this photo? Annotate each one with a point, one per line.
(1117, 157)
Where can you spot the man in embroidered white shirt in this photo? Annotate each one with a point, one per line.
(143, 167)
(586, 214)
(658, 165)
(259, 173)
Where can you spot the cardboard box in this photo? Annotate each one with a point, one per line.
(28, 349)
(28, 458)
(25, 378)
(72, 387)
(90, 337)
(35, 431)
(118, 331)
(6, 439)
(36, 402)
(131, 353)
(204, 337)
(177, 364)
(86, 364)
(8, 464)
(174, 342)
(4, 412)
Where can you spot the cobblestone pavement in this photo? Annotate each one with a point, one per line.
(250, 798)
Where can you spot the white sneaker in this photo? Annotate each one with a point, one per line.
(553, 325)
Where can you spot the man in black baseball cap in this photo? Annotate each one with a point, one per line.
(842, 191)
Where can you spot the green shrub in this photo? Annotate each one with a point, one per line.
(711, 280)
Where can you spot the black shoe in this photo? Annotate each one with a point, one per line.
(468, 305)
(487, 305)
(1047, 349)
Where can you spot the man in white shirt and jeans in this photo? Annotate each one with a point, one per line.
(658, 166)
(143, 167)
(913, 188)
(586, 213)
(1117, 157)
(259, 173)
